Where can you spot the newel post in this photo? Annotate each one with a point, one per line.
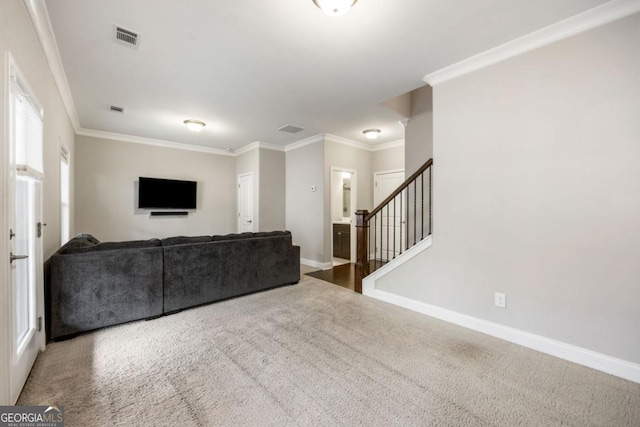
(362, 249)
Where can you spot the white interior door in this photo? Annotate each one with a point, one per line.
(245, 203)
(392, 229)
(26, 279)
(23, 210)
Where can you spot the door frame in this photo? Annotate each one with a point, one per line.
(376, 176)
(254, 202)
(354, 206)
(378, 173)
(5, 279)
(6, 295)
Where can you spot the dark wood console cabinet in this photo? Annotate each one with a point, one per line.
(342, 241)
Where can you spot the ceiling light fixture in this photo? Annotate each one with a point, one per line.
(335, 7)
(371, 133)
(194, 125)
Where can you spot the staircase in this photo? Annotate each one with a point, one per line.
(400, 222)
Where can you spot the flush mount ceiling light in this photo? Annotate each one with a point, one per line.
(371, 133)
(194, 125)
(335, 7)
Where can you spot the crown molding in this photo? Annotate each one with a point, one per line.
(155, 142)
(269, 146)
(304, 142)
(37, 11)
(256, 145)
(344, 141)
(388, 145)
(348, 142)
(592, 18)
(364, 146)
(240, 151)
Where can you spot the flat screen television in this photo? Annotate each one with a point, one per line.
(156, 193)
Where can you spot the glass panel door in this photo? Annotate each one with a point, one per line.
(26, 278)
(23, 268)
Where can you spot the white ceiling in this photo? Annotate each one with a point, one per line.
(248, 67)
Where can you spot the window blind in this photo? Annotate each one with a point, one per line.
(27, 125)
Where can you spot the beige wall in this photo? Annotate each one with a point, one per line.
(18, 37)
(106, 173)
(350, 158)
(387, 160)
(309, 213)
(536, 194)
(272, 190)
(419, 130)
(304, 208)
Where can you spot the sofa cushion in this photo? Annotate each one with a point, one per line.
(184, 240)
(272, 233)
(81, 240)
(87, 237)
(232, 236)
(107, 246)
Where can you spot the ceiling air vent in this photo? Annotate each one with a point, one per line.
(117, 109)
(290, 129)
(127, 37)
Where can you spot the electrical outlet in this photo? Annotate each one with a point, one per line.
(500, 300)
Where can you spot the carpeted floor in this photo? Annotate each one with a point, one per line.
(316, 354)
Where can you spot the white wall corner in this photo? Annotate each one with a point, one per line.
(258, 144)
(316, 264)
(253, 146)
(39, 15)
(304, 142)
(592, 18)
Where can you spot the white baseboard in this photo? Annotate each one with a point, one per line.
(601, 362)
(317, 264)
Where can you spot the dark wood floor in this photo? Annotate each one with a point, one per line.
(341, 275)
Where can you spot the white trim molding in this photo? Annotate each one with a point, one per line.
(257, 144)
(304, 142)
(592, 18)
(347, 142)
(42, 24)
(148, 141)
(388, 145)
(369, 282)
(601, 362)
(5, 278)
(316, 264)
(344, 141)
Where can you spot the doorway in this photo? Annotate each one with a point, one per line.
(245, 203)
(23, 162)
(391, 243)
(343, 200)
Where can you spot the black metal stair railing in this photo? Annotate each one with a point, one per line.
(401, 221)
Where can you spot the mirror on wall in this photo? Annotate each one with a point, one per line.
(341, 183)
(346, 197)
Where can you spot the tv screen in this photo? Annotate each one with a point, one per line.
(155, 193)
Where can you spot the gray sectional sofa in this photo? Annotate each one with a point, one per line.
(90, 285)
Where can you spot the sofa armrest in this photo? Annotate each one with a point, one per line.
(102, 288)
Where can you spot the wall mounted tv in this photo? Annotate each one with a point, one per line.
(155, 193)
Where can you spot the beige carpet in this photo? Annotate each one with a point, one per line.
(317, 354)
